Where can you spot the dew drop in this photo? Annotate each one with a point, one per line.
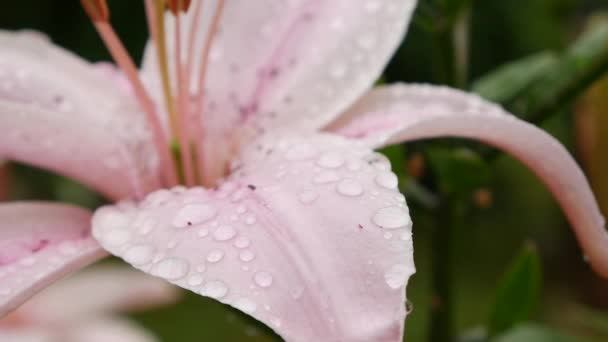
(215, 256)
(171, 268)
(387, 179)
(203, 232)
(246, 305)
(388, 235)
(263, 279)
(409, 307)
(215, 289)
(249, 220)
(397, 275)
(392, 218)
(349, 187)
(195, 280)
(326, 177)
(224, 233)
(193, 214)
(300, 152)
(330, 161)
(275, 321)
(308, 196)
(242, 242)
(139, 254)
(246, 255)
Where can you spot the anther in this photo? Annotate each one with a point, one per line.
(96, 9)
(177, 6)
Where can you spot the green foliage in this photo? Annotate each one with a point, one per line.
(518, 292)
(458, 172)
(511, 80)
(536, 333)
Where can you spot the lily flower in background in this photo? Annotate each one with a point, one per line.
(87, 307)
(241, 159)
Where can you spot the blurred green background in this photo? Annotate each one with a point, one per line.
(498, 208)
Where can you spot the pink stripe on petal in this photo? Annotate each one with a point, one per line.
(400, 113)
(40, 243)
(309, 235)
(286, 64)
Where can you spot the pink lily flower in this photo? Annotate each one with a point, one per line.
(84, 317)
(284, 210)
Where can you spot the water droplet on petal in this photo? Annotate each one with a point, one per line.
(249, 220)
(139, 254)
(171, 268)
(215, 289)
(397, 275)
(215, 256)
(326, 177)
(349, 187)
(224, 233)
(242, 242)
(308, 196)
(203, 232)
(300, 152)
(246, 255)
(275, 321)
(330, 160)
(392, 218)
(193, 214)
(387, 179)
(263, 279)
(246, 305)
(409, 307)
(195, 280)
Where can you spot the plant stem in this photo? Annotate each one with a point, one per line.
(441, 329)
(451, 57)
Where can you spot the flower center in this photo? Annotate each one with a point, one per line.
(182, 156)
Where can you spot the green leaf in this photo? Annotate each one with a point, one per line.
(512, 79)
(518, 291)
(536, 333)
(458, 171)
(582, 64)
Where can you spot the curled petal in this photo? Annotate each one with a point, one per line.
(60, 112)
(40, 243)
(399, 113)
(114, 288)
(309, 236)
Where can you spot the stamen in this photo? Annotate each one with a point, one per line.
(96, 9)
(177, 6)
(99, 16)
(161, 50)
(203, 72)
(182, 107)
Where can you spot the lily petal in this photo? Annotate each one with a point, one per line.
(40, 243)
(400, 113)
(310, 236)
(59, 112)
(100, 329)
(115, 288)
(106, 329)
(298, 63)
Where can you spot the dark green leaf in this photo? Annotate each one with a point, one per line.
(518, 291)
(512, 79)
